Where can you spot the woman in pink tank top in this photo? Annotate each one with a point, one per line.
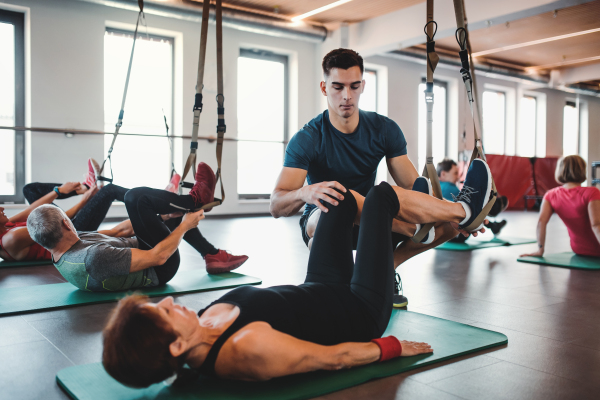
(578, 207)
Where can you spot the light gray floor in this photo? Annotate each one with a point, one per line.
(550, 315)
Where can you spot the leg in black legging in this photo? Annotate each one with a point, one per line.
(36, 190)
(330, 259)
(194, 238)
(373, 277)
(144, 206)
(92, 214)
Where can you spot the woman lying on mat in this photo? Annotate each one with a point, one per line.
(95, 262)
(578, 207)
(334, 320)
(88, 214)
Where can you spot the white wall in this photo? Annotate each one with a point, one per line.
(67, 48)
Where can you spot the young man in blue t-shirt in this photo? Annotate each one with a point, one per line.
(340, 149)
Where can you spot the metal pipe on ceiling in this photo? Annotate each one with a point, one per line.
(232, 18)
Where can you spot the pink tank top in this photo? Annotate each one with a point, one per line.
(36, 252)
(571, 205)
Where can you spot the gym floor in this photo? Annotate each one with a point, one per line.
(549, 314)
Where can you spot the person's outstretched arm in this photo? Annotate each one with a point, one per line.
(594, 212)
(258, 352)
(290, 195)
(87, 195)
(47, 199)
(143, 259)
(546, 212)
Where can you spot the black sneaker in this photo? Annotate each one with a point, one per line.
(399, 300)
(496, 227)
(476, 192)
(423, 185)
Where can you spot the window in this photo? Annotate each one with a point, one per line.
(368, 102)
(440, 131)
(262, 121)
(527, 139)
(12, 106)
(137, 160)
(368, 99)
(494, 121)
(570, 129)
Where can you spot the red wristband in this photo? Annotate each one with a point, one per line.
(390, 347)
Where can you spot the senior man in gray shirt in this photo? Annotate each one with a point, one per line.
(95, 262)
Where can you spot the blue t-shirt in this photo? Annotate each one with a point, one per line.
(449, 189)
(350, 159)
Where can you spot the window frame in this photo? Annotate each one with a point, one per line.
(505, 93)
(17, 19)
(266, 55)
(443, 84)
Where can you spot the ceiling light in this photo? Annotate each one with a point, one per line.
(320, 10)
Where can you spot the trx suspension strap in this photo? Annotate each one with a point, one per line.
(468, 76)
(432, 59)
(141, 18)
(191, 161)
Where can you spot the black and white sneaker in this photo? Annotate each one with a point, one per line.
(423, 185)
(476, 192)
(399, 300)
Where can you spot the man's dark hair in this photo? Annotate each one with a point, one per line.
(445, 165)
(342, 58)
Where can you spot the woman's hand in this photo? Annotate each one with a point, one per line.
(90, 193)
(69, 187)
(538, 253)
(414, 348)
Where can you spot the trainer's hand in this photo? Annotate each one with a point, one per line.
(190, 220)
(311, 194)
(69, 187)
(414, 348)
(466, 233)
(539, 253)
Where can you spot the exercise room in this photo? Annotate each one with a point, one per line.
(282, 199)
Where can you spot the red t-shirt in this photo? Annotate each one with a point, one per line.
(571, 205)
(36, 252)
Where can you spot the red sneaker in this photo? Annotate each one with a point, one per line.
(203, 191)
(223, 262)
(173, 186)
(90, 177)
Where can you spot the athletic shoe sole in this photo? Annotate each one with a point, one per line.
(488, 192)
(400, 305)
(222, 267)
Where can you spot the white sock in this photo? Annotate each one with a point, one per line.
(418, 228)
(467, 212)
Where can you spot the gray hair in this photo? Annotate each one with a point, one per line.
(45, 225)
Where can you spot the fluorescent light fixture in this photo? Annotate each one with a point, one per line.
(320, 10)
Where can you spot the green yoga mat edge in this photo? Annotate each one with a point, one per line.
(476, 245)
(368, 373)
(17, 264)
(547, 260)
(236, 279)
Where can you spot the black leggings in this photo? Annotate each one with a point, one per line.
(371, 278)
(92, 213)
(144, 206)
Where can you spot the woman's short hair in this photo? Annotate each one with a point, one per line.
(136, 344)
(570, 169)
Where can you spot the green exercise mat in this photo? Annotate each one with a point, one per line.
(565, 260)
(474, 244)
(59, 295)
(449, 339)
(15, 264)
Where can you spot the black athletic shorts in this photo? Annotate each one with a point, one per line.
(397, 238)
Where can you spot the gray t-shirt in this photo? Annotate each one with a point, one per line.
(101, 263)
